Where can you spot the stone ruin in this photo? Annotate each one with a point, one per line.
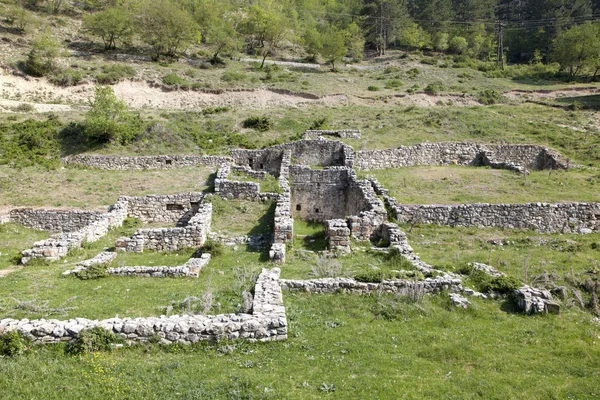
(317, 182)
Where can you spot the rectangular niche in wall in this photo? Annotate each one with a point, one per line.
(175, 207)
(169, 162)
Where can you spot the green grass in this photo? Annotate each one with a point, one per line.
(430, 352)
(456, 184)
(450, 248)
(267, 185)
(242, 217)
(15, 238)
(83, 188)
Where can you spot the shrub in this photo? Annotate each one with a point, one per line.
(174, 80)
(429, 61)
(413, 72)
(487, 284)
(434, 88)
(261, 124)
(30, 143)
(214, 110)
(319, 124)
(13, 343)
(114, 73)
(489, 96)
(109, 119)
(90, 340)
(67, 77)
(214, 247)
(458, 45)
(96, 271)
(24, 108)
(393, 83)
(373, 88)
(233, 76)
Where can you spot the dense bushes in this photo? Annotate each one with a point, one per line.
(90, 340)
(261, 124)
(13, 343)
(31, 143)
(114, 73)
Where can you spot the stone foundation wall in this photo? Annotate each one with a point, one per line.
(338, 236)
(191, 268)
(341, 133)
(348, 285)
(240, 190)
(168, 209)
(266, 323)
(58, 245)
(283, 231)
(319, 152)
(142, 162)
(540, 217)
(450, 153)
(192, 235)
(55, 220)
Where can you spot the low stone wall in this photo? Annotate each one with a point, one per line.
(283, 231)
(143, 162)
(240, 190)
(55, 220)
(531, 300)
(191, 268)
(348, 285)
(192, 235)
(341, 133)
(540, 217)
(59, 244)
(260, 175)
(338, 236)
(168, 209)
(516, 157)
(267, 322)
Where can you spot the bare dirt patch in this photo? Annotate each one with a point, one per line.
(521, 95)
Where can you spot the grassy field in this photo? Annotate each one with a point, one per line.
(88, 188)
(454, 184)
(340, 347)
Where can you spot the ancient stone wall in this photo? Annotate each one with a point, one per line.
(192, 235)
(303, 152)
(191, 268)
(516, 157)
(349, 285)
(58, 245)
(283, 221)
(341, 133)
(55, 220)
(176, 209)
(240, 190)
(338, 236)
(142, 162)
(266, 323)
(540, 217)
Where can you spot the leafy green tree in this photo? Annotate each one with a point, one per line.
(458, 45)
(414, 36)
(313, 43)
(440, 41)
(383, 21)
(266, 27)
(166, 27)
(41, 58)
(112, 25)
(355, 41)
(334, 46)
(109, 119)
(578, 49)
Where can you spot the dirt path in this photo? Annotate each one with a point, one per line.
(44, 96)
(7, 271)
(521, 95)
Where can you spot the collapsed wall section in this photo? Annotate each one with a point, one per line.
(267, 322)
(143, 162)
(539, 217)
(168, 209)
(319, 152)
(515, 157)
(59, 244)
(55, 220)
(192, 235)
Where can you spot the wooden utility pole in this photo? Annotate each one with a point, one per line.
(500, 51)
